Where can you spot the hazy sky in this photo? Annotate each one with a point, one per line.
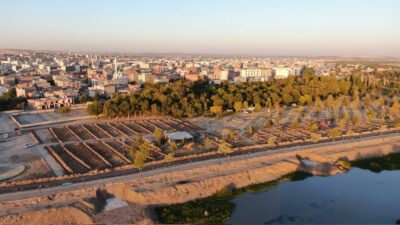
(253, 27)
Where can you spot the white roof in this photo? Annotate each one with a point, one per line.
(114, 203)
(179, 135)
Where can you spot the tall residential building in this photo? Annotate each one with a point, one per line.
(246, 73)
(282, 72)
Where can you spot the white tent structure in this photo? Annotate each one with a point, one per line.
(179, 136)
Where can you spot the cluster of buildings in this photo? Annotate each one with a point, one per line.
(50, 80)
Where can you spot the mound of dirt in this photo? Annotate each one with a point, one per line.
(64, 215)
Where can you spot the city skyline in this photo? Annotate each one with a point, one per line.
(262, 28)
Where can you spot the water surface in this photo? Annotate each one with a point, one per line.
(359, 196)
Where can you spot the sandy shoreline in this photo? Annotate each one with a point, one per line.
(178, 187)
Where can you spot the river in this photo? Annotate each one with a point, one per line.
(356, 197)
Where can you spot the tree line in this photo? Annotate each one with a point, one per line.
(189, 99)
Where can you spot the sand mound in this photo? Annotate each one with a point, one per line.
(64, 215)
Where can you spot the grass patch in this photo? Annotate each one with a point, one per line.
(217, 208)
(378, 164)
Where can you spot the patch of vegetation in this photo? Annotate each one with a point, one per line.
(378, 164)
(10, 101)
(217, 208)
(344, 164)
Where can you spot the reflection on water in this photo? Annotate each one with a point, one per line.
(359, 196)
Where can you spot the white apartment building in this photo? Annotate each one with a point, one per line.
(224, 74)
(282, 72)
(255, 73)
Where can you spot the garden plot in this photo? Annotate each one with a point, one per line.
(110, 131)
(95, 131)
(118, 147)
(176, 125)
(79, 131)
(132, 125)
(62, 134)
(91, 158)
(114, 157)
(68, 162)
(145, 126)
(161, 125)
(124, 130)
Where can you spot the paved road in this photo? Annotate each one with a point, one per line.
(35, 190)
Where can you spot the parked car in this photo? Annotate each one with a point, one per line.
(29, 145)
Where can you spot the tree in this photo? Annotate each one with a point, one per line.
(110, 109)
(334, 133)
(238, 107)
(169, 158)
(216, 110)
(250, 129)
(159, 136)
(124, 107)
(396, 123)
(343, 122)
(330, 101)
(355, 119)
(245, 105)
(315, 137)
(85, 98)
(314, 127)
(294, 124)
(138, 161)
(132, 152)
(154, 109)
(145, 148)
(271, 142)
(173, 147)
(395, 108)
(228, 134)
(350, 132)
(268, 123)
(64, 110)
(95, 108)
(318, 104)
(9, 100)
(355, 104)
(257, 107)
(139, 139)
(287, 98)
(371, 115)
(367, 100)
(224, 148)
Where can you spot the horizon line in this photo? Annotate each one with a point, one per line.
(143, 54)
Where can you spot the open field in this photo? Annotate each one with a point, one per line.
(27, 118)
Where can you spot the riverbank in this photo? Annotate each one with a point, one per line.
(218, 208)
(201, 182)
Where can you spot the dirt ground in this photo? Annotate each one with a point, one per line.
(131, 214)
(64, 215)
(36, 168)
(31, 118)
